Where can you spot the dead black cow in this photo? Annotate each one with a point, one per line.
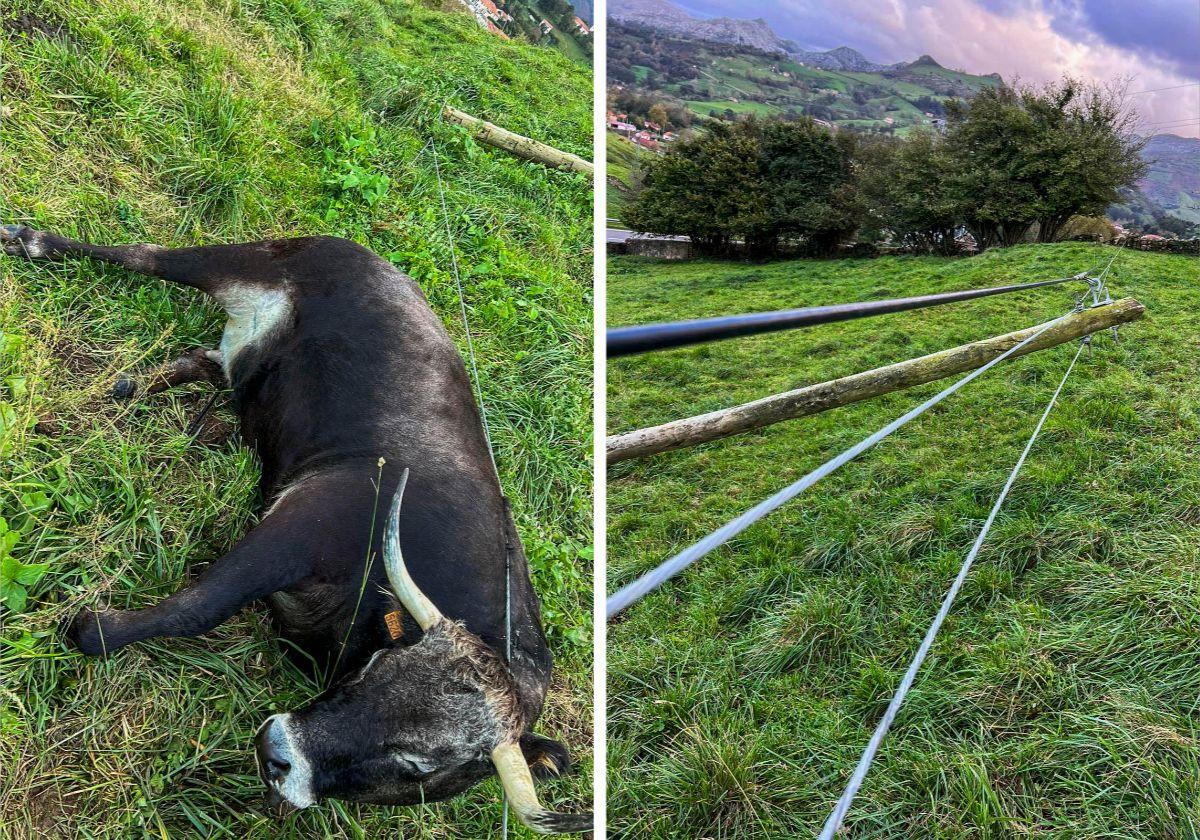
(336, 360)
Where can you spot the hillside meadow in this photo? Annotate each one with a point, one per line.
(707, 77)
(206, 122)
(1060, 699)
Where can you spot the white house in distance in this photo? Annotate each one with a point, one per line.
(488, 14)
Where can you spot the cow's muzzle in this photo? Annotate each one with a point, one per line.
(281, 767)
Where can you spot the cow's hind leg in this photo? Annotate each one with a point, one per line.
(211, 268)
(271, 557)
(197, 365)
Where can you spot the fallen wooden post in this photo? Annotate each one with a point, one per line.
(814, 399)
(522, 147)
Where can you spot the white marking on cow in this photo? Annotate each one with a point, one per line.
(31, 245)
(254, 313)
(296, 786)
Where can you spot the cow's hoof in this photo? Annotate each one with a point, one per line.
(123, 390)
(20, 241)
(85, 634)
(545, 756)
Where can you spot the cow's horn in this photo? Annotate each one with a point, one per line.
(413, 599)
(518, 784)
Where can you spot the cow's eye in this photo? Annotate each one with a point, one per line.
(413, 765)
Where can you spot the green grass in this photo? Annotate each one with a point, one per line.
(1060, 699)
(624, 158)
(759, 109)
(190, 123)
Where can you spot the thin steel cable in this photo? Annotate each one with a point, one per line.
(864, 763)
(1104, 273)
(487, 432)
(668, 569)
(462, 304)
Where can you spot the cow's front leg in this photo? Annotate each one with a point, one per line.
(198, 365)
(266, 560)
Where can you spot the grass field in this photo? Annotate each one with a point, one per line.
(758, 109)
(189, 123)
(1061, 698)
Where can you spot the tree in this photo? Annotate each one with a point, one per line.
(809, 173)
(1020, 156)
(904, 188)
(754, 182)
(988, 139)
(1180, 228)
(707, 188)
(1086, 151)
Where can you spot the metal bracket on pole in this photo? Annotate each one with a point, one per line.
(1098, 287)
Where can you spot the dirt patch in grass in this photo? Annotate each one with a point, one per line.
(50, 811)
(76, 359)
(215, 431)
(25, 24)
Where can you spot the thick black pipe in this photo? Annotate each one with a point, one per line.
(625, 341)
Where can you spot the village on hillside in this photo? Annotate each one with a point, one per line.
(522, 21)
(645, 133)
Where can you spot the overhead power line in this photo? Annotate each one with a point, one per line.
(1172, 87)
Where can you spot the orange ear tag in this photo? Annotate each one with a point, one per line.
(394, 624)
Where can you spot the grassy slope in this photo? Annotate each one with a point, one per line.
(195, 123)
(1061, 697)
(623, 160)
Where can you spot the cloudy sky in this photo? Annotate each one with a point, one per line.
(1153, 43)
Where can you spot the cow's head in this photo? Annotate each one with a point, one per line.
(417, 724)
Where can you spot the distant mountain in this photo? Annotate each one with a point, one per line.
(840, 58)
(1171, 186)
(665, 16)
(670, 19)
(1173, 182)
(583, 8)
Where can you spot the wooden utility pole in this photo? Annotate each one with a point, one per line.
(522, 147)
(814, 399)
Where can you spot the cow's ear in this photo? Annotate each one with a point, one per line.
(545, 756)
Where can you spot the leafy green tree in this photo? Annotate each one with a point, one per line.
(1020, 156)
(809, 172)
(1177, 226)
(988, 139)
(754, 182)
(1086, 151)
(707, 187)
(904, 188)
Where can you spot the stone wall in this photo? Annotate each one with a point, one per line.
(663, 249)
(1166, 246)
